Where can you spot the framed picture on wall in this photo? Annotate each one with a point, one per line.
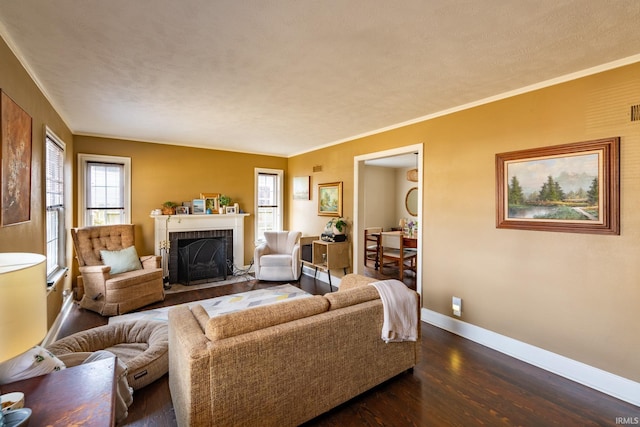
(572, 188)
(301, 188)
(330, 199)
(15, 158)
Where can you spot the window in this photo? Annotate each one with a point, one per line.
(268, 201)
(55, 215)
(104, 193)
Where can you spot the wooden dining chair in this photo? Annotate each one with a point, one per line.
(393, 252)
(372, 245)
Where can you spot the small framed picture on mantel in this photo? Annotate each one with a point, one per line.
(198, 206)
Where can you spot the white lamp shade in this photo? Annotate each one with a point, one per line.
(23, 302)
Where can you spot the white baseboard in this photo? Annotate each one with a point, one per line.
(52, 334)
(597, 379)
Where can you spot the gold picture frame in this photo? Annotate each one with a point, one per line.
(209, 195)
(330, 199)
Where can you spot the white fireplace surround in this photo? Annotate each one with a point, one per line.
(165, 224)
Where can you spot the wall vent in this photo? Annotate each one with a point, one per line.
(635, 113)
(317, 168)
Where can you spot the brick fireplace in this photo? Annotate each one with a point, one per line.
(169, 228)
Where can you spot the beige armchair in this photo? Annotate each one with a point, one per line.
(279, 257)
(113, 294)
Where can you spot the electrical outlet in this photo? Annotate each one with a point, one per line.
(456, 306)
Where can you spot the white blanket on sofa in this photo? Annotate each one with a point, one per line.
(400, 311)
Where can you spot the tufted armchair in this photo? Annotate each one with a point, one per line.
(109, 293)
(279, 257)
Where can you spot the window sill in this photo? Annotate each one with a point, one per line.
(56, 277)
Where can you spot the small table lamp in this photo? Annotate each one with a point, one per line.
(23, 303)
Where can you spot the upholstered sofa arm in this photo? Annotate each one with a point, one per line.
(150, 261)
(261, 249)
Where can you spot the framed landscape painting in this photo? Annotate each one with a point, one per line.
(571, 188)
(330, 199)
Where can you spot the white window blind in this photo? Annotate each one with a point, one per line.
(54, 189)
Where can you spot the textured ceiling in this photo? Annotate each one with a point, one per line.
(286, 76)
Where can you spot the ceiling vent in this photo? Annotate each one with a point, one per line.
(635, 113)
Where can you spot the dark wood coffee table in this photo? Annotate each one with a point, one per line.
(80, 395)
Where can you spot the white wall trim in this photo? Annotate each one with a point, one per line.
(358, 204)
(83, 159)
(603, 381)
(54, 331)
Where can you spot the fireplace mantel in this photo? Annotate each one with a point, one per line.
(165, 224)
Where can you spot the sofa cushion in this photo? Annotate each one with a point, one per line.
(253, 319)
(121, 261)
(275, 260)
(351, 296)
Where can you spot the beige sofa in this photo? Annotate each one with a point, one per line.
(282, 364)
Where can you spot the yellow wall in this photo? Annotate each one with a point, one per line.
(169, 172)
(573, 294)
(30, 236)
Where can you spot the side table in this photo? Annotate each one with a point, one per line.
(80, 395)
(330, 256)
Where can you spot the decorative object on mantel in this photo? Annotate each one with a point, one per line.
(15, 158)
(224, 201)
(198, 206)
(169, 208)
(182, 210)
(211, 205)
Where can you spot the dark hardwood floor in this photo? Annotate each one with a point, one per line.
(457, 383)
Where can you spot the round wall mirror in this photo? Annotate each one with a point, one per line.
(411, 201)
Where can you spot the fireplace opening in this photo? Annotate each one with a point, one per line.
(178, 272)
(202, 259)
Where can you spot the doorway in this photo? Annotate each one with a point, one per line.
(360, 211)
